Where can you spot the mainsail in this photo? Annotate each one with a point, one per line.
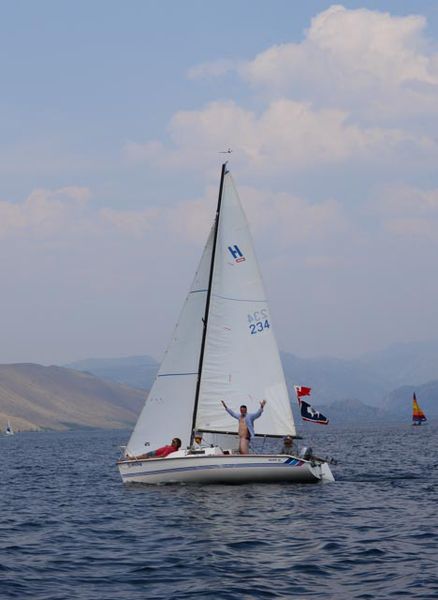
(227, 352)
(418, 415)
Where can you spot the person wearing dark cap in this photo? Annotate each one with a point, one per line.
(288, 445)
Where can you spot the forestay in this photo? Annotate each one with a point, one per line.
(241, 363)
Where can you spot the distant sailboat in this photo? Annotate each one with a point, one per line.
(223, 348)
(418, 416)
(9, 430)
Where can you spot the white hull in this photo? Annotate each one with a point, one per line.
(223, 468)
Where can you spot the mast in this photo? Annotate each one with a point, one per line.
(207, 304)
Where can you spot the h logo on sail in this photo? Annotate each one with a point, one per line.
(236, 253)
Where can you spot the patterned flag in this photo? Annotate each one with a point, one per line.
(307, 412)
(310, 414)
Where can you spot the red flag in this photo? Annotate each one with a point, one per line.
(301, 391)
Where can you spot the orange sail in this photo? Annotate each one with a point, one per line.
(418, 415)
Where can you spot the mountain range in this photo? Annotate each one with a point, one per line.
(135, 371)
(110, 393)
(34, 397)
(368, 379)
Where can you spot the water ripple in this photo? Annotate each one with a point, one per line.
(70, 530)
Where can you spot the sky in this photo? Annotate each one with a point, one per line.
(113, 116)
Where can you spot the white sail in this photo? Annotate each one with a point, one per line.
(241, 363)
(168, 411)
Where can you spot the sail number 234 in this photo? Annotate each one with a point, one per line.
(258, 321)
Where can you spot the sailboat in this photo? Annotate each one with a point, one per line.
(223, 348)
(9, 430)
(418, 416)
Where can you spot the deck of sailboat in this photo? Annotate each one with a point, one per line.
(222, 468)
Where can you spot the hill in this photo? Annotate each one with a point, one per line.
(35, 397)
(135, 371)
(333, 379)
(400, 400)
(354, 412)
(368, 379)
(395, 408)
(411, 363)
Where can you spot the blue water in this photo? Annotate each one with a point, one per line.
(70, 530)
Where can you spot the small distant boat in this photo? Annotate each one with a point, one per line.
(9, 430)
(418, 416)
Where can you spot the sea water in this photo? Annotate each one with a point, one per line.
(69, 528)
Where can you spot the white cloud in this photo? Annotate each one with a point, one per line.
(413, 227)
(192, 220)
(354, 89)
(363, 44)
(408, 211)
(55, 214)
(292, 219)
(287, 135)
(289, 219)
(409, 201)
(130, 222)
(216, 68)
(136, 153)
(373, 63)
(43, 213)
(66, 214)
(324, 262)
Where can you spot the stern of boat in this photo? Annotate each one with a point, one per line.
(326, 473)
